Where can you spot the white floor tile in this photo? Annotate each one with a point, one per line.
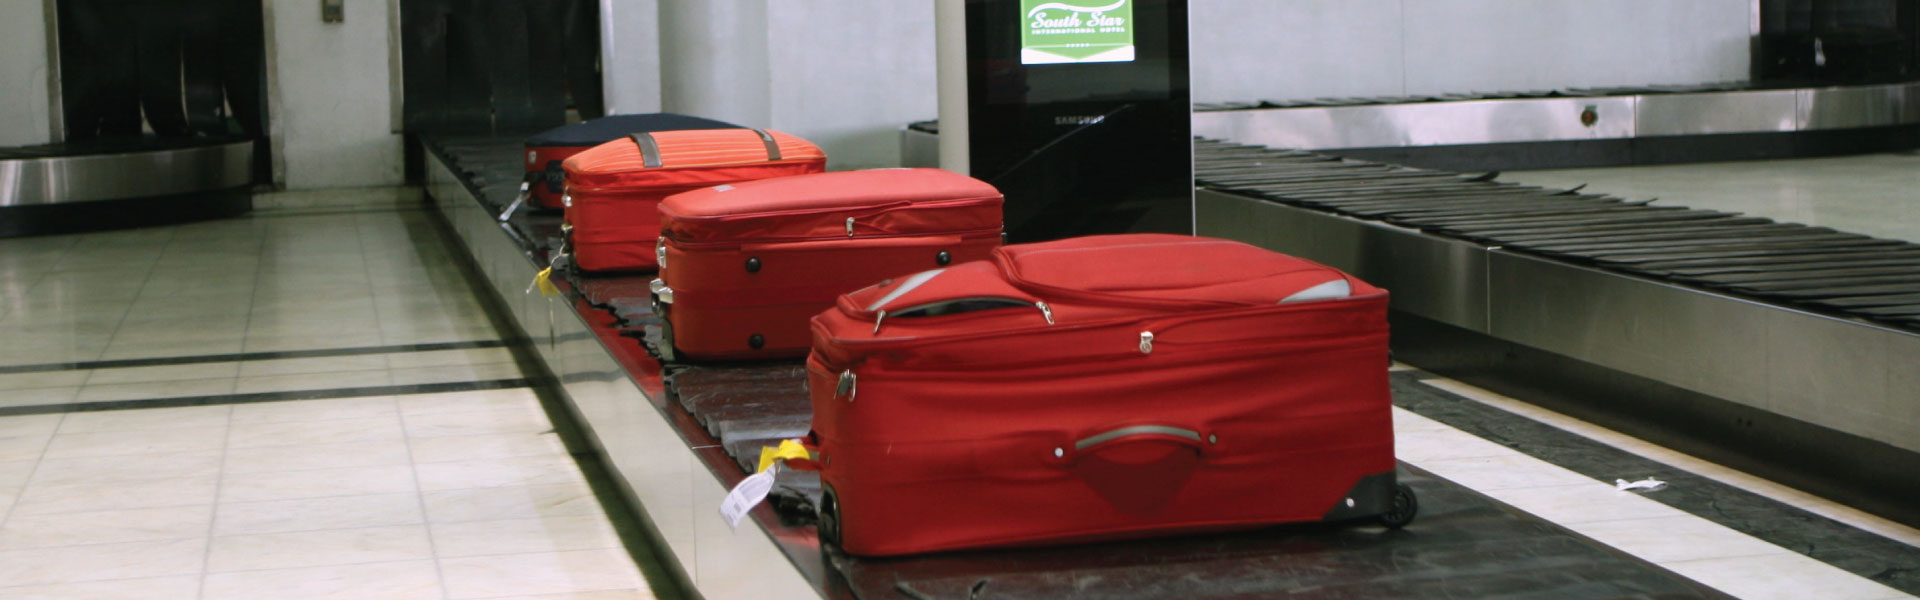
(15, 473)
(1676, 538)
(517, 536)
(1585, 502)
(125, 349)
(327, 364)
(317, 483)
(540, 573)
(1443, 444)
(312, 381)
(499, 472)
(441, 358)
(488, 446)
(137, 467)
(521, 502)
(38, 396)
(178, 587)
(146, 442)
(516, 420)
(313, 514)
(637, 594)
(18, 425)
(403, 580)
(196, 490)
(145, 419)
(316, 456)
(469, 401)
(254, 435)
(105, 527)
(1502, 472)
(102, 562)
(277, 343)
(452, 374)
(302, 411)
(159, 389)
(20, 448)
(42, 379)
(319, 548)
(219, 370)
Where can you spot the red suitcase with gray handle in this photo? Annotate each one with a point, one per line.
(744, 266)
(613, 190)
(1098, 388)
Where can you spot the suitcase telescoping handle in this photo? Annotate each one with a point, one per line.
(650, 148)
(1180, 435)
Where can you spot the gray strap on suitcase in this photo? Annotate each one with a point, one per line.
(650, 149)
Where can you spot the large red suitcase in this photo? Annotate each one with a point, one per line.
(614, 189)
(546, 150)
(746, 265)
(1098, 388)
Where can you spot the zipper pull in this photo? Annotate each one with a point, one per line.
(1146, 342)
(1045, 311)
(876, 321)
(849, 226)
(846, 387)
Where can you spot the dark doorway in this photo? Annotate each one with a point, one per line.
(498, 66)
(168, 72)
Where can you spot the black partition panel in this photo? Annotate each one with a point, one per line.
(510, 66)
(172, 69)
(1084, 135)
(1819, 42)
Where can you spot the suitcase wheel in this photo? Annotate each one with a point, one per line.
(755, 341)
(1405, 506)
(753, 265)
(943, 258)
(829, 517)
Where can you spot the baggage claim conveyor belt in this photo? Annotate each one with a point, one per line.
(677, 436)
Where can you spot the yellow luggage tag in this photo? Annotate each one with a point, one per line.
(544, 282)
(753, 490)
(788, 450)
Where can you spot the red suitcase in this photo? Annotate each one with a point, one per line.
(745, 266)
(1099, 388)
(545, 150)
(613, 189)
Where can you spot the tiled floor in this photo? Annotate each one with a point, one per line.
(1871, 194)
(1694, 547)
(232, 485)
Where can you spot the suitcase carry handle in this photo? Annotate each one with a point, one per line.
(1180, 435)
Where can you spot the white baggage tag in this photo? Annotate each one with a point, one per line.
(750, 493)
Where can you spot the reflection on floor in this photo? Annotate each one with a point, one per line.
(1874, 194)
(290, 405)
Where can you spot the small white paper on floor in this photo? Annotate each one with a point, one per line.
(1648, 484)
(750, 493)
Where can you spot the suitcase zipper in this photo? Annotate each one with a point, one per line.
(687, 245)
(879, 317)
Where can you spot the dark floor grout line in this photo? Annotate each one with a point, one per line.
(263, 397)
(249, 356)
(1878, 558)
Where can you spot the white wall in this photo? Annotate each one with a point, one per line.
(334, 118)
(714, 60)
(1247, 50)
(24, 119)
(630, 55)
(846, 74)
